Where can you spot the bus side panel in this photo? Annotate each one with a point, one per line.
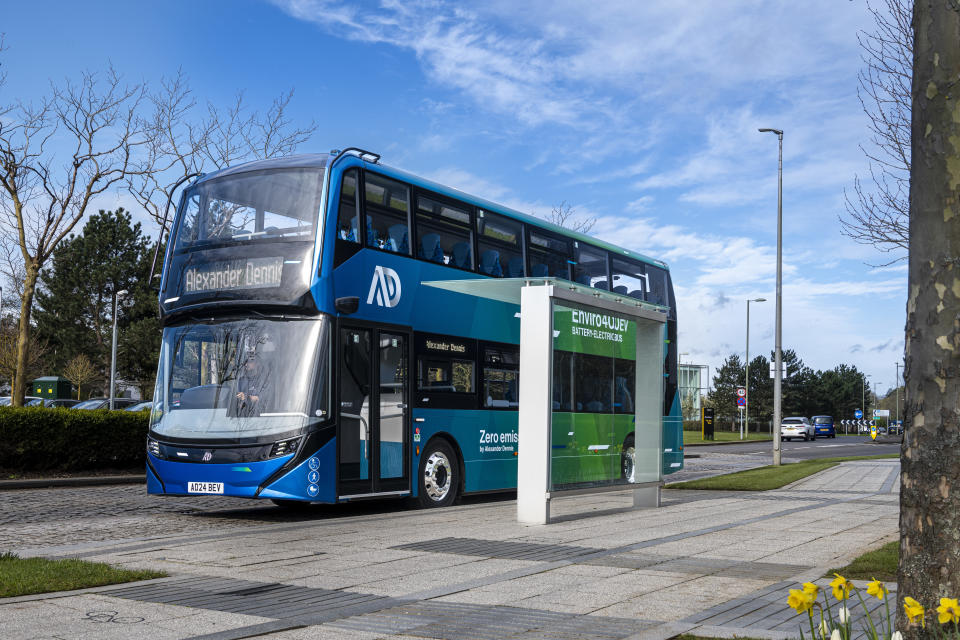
(239, 480)
(313, 479)
(486, 439)
(673, 439)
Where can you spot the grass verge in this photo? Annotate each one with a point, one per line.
(26, 576)
(767, 478)
(693, 437)
(880, 564)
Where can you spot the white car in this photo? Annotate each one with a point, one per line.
(797, 427)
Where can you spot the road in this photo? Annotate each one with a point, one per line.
(710, 460)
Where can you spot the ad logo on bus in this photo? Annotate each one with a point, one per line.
(385, 287)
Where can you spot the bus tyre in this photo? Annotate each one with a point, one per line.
(628, 459)
(439, 475)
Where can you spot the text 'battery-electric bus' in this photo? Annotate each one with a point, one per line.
(303, 359)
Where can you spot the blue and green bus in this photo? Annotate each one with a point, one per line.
(304, 360)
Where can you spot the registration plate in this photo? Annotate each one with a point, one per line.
(204, 487)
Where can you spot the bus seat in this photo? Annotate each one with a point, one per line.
(620, 289)
(583, 279)
(515, 267)
(601, 284)
(398, 239)
(540, 271)
(461, 255)
(490, 263)
(430, 248)
(371, 235)
(636, 293)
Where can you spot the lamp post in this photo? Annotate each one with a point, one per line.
(113, 349)
(863, 386)
(777, 354)
(746, 425)
(896, 389)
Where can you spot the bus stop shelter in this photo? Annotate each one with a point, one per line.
(591, 390)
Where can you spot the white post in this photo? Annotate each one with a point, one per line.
(536, 404)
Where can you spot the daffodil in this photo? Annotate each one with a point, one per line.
(841, 587)
(801, 600)
(876, 588)
(914, 610)
(809, 587)
(949, 611)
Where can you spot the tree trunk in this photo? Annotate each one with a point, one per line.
(930, 454)
(23, 334)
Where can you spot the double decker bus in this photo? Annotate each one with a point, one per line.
(304, 360)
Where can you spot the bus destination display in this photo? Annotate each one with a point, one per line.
(250, 273)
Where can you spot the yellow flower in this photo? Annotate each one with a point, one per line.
(949, 610)
(841, 587)
(877, 589)
(801, 600)
(809, 587)
(914, 610)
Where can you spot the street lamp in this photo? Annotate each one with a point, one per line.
(113, 351)
(745, 426)
(863, 386)
(778, 356)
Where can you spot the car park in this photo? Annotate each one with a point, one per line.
(823, 426)
(797, 427)
(141, 406)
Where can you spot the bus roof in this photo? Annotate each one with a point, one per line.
(321, 160)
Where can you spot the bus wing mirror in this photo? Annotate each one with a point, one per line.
(347, 305)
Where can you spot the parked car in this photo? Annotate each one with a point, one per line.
(141, 406)
(60, 402)
(823, 426)
(104, 403)
(797, 427)
(28, 401)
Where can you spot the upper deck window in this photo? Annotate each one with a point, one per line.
(259, 206)
(658, 286)
(630, 278)
(387, 208)
(591, 267)
(549, 255)
(348, 217)
(443, 233)
(499, 241)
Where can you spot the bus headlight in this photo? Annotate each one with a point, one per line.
(153, 447)
(284, 447)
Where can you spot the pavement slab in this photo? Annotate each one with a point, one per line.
(715, 563)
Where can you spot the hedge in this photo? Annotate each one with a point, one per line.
(41, 439)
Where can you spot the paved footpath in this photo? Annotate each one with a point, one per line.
(717, 564)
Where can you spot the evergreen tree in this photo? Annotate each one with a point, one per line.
(723, 397)
(75, 314)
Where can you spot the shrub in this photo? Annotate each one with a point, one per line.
(41, 439)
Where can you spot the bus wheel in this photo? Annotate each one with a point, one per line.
(439, 475)
(628, 461)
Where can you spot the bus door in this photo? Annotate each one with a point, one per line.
(374, 448)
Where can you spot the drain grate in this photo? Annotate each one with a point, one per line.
(500, 549)
(267, 600)
(460, 621)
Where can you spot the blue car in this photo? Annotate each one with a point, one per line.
(823, 426)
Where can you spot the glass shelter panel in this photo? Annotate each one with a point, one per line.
(605, 423)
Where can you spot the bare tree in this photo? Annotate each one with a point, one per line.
(878, 212)
(930, 467)
(184, 143)
(55, 158)
(79, 371)
(563, 215)
(9, 353)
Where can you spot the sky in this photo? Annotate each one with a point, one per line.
(641, 114)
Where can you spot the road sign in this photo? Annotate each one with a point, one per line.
(783, 369)
(873, 432)
(741, 392)
(881, 413)
(741, 402)
(858, 414)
